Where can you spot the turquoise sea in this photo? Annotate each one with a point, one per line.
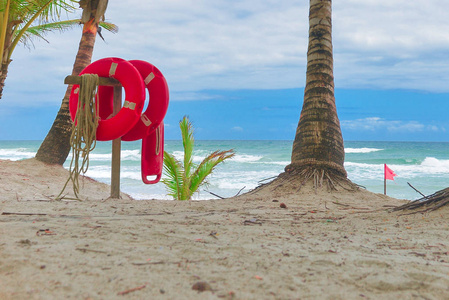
(424, 165)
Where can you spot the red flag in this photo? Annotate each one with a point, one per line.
(389, 174)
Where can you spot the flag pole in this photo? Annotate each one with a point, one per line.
(385, 179)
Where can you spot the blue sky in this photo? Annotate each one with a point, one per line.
(237, 68)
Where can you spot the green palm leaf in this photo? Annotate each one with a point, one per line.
(181, 181)
(187, 142)
(109, 27)
(33, 19)
(19, 15)
(206, 168)
(40, 30)
(173, 170)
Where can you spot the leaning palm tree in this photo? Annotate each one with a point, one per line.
(184, 178)
(21, 20)
(318, 150)
(56, 146)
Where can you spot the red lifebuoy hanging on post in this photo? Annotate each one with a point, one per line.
(129, 123)
(158, 103)
(127, 117)
(150, 127)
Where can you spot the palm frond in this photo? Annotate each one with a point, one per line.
(60, 25)
(46, 10)
(173, 170)
(40, 30)
(206, 168)
(27, 12)
(52, 9)
(17, 8)
(109, 27)
(188, 143)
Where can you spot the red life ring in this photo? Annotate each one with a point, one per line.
(105, 102)
(153, 155)
(127, 117)
(158, 105)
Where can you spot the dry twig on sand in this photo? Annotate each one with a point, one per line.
(132, 290)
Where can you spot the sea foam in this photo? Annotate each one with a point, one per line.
(430, 166)
(16, 154)
(361, 150)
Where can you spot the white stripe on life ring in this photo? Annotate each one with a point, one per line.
(145, 120)
(130, 105)
(149, 78)
(158, 140)
(113, 69)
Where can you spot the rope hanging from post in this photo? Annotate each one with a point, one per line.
(84, 129)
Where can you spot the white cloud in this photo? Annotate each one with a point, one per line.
(377, 45)
(379, 124)
(237, 129)
(251, 44)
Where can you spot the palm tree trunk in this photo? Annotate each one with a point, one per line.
(318, 151)
(56, 146)
(318, 141)
(5, 61)
(3, 75)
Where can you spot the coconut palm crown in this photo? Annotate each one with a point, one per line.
(23, 20)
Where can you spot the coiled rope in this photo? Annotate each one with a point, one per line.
(84, 131)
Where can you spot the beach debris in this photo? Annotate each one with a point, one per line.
(213, 194)
(266, 179)
(258, 277)
(89, 250)
(218, 196)
(418, 254)
(21, 214)
(44, 232)
(253, 221)
(429, 203)
(201, 286)
(416, 190)
(282, 205)
(179, 263)
(132, 290)
(26, 242)
(274, 200)
(238, 193)
(213, 234)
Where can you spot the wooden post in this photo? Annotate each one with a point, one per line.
(116, 148)
(116, 144)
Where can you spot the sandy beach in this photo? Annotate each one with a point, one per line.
(344, 245)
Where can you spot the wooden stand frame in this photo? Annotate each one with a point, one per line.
(117, 143)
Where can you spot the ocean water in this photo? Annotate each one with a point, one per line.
(424, 165)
